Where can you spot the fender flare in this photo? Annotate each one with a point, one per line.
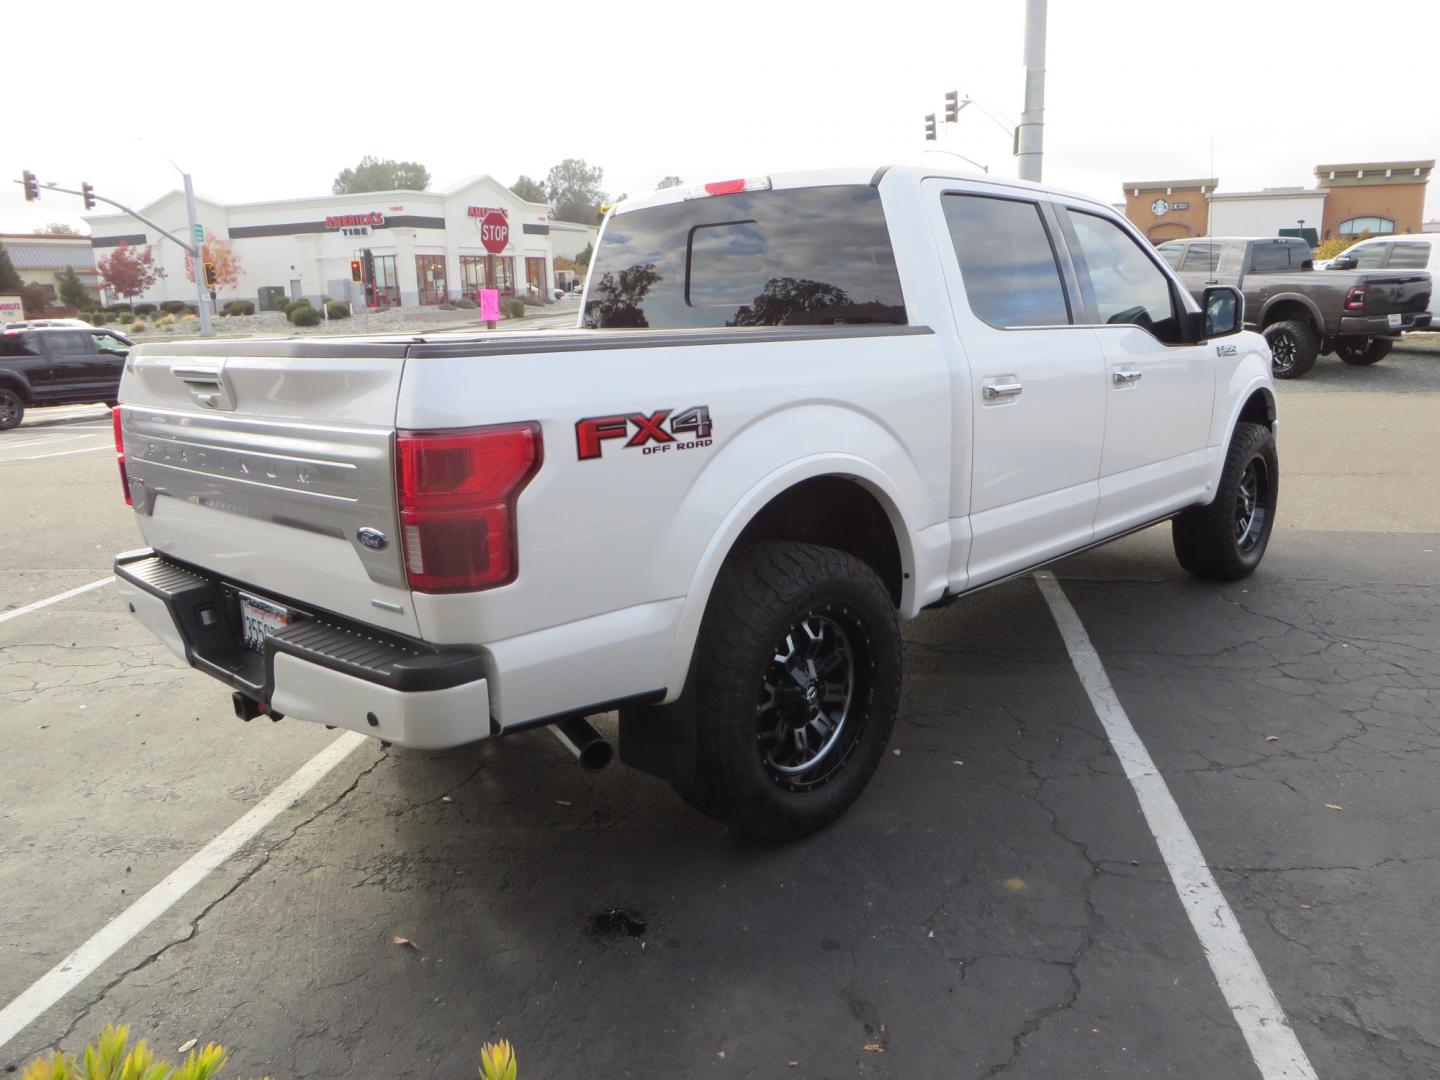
(1250, 384)
(1300, 298)
(722, 542)
(17, 382)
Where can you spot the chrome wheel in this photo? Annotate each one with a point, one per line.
(804, 724)
(1252, 505)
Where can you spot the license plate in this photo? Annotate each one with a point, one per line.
(260, 618)
(1396, 321)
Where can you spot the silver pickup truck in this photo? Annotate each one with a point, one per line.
(1303, 313)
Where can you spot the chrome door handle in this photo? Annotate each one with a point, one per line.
(1126, 378)
(995, 390)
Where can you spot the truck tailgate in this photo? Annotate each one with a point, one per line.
(1397, 291)
(264, 464)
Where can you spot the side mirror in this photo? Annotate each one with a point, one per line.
(1342, 262)
(1224, 307)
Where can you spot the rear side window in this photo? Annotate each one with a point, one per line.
(74, 344)
(1125, 285)
(1270, 257)
(807, 256)
(1172, 254)
(1204, 257)
(1405, 256)
(1006, 261)
(19, 345)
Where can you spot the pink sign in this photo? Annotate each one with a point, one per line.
(490, 305)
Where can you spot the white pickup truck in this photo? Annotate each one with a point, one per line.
(799, 409)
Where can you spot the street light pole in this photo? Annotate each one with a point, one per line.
(198, 261)
(1029, 136)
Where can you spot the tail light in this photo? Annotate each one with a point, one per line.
(457, 492)
(120, 454)
(1355, 298)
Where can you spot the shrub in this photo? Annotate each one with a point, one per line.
(513, 308)
(292, 305)
(239, 307)
(466, 303)
(304, 315)
(446, 306)
(191, 310)
(173, 307)
(97, 318)
(126, 318)
(1328, 249)
(116, 309)
(165, 321)
(137, 327)
(145, 309)
(532, 301)
(337, 309)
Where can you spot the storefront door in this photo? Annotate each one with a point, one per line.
(535, 275)
(430, 270)
(382, 287)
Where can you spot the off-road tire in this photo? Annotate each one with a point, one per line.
(1217, 541)
(1360, 352)
(12, 408)
(764, 594)
(1294, 346)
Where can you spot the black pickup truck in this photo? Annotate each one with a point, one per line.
(1304, 313)
(55, 366)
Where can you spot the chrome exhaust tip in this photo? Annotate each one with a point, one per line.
(591, 749)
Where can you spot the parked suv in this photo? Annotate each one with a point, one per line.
(54, 366)
(801, 409)
(1407, 251)
(1304, 313)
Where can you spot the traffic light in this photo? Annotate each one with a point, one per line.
(210, 275)
(88, 191)
(930, 127)
(32, 187)
(357, 274)
(952, 107)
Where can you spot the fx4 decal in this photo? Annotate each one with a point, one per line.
(659, 432)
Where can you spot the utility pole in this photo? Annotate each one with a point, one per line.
(1029, 136)
(198, 235)
(193, 246)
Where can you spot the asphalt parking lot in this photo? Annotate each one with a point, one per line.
(995, 905)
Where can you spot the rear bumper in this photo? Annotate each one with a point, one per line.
(1379, 325)
(321, 668)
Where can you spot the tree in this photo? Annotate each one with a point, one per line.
(615, 300)
(529, 190)
(575, 192)
(669, 182)
(373, 174)
(784, 298)
(219, 254)
(59, 228)
(72, 292)
(129, 271)
(35, 299)
(583, 259)
(9, 277)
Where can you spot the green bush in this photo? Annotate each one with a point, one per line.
(337, 309)
(238, 307)
(126, 318)
(189, 309)
(97, 318)
(304, 315)
(466, 303)
(291, 306)
(172, 307)
(513, 308)
(145, 309)
(116, 309)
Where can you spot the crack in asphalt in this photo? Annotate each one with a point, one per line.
(270, 850)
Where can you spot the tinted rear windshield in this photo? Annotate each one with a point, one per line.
(801, 257)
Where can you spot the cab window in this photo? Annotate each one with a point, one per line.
(1368, 256)
(1124, 284)
(1410, 256)
(1006, 261)
(1202, 258)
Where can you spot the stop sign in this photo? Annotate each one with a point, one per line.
(494, 232)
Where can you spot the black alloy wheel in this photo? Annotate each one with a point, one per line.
(12, 409)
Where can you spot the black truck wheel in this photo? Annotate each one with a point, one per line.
(1293, 348)
(798, 668)
(12, 408)
(1226, 540)
(1362, 351)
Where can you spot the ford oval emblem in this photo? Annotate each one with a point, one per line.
(373, 539)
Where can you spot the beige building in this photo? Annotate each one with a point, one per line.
(41, 258)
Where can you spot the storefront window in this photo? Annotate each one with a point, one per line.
(535, 275)
(430, 270)
(474, 269)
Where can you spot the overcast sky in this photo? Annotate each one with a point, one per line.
(282, 96)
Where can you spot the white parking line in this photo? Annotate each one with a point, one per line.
(38, 604)
(57, 453)
(44, 438)
(1273, 1045)
(116, 934)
